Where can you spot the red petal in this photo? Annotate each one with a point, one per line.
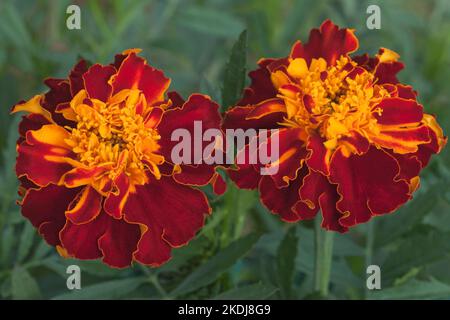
(42, 156)
(152, 250)
(317, 191)
(134, 73)
(367, 185)
(85, 207)
(177, 100)
(404, 140)
(266, 107)
(219, 185)
(236, 118)
(198, 175)
(82, 176)
(283, 201)
(115, 201)
(319, 159)
(96, 81)
(81, 241)
(292, 154)
(261, 87)
(197, 108)
(328, 42)
(76, 77)
(119, 242)
(45, 209)
(398, 111)
(177, 209)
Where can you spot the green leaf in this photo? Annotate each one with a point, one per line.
(26, 241)
(414, 289)
(104, 290)
(210, 21)
(286, 255)
(418, 250)
(216, 266)
(23, 285)
(393, 226)
(250, 292)
(234, 78)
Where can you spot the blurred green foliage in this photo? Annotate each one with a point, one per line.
(243, 251)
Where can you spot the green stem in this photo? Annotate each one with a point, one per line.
(155, 282)
(323, 258)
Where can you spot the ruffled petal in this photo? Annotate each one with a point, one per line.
(115, 201)
(42, 156)
(119, 242)
(398, 111)
(317, 192)
(177, 209)
(81, 240)
(135, 73)
(198, 108)
(85, 207)
(328, 42)
(284, 201)
(45, 209)
(96, 81)
(367, 185)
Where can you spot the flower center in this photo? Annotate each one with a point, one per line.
(329, 100)
(114, 135)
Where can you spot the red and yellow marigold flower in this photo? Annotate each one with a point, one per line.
(353, 140)
(95, 169)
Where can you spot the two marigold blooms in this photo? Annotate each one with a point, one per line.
(94, 151)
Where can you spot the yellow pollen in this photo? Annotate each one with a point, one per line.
(326, 100)
(114, 135)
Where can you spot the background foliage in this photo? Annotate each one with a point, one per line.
(244, 251)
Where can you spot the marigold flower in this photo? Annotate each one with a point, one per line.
(353, 140)
(95, 168)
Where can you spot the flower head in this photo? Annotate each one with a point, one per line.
(353, 140)
(94, 161)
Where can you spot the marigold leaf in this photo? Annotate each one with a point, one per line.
(217, 265)
(286, 255)
(23, 285)
(234, 78)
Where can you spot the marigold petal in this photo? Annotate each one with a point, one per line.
(328, 42)
(85, 207)
(96, 81)
(177, 209)
(45, 209)
(42, 157)
(119, 242)
(367, 185)
(398, 111)
(134, 73)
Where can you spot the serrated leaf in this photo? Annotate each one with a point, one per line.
(393, 226)
(251, 292)
(234, 78)
(286, 255)
(416, 251)
(23, 285)
(104, 290)
(414, 289)
(217, 265)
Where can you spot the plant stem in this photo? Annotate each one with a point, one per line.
(155, 282)
(323, 258)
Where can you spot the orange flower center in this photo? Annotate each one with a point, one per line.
(114, 135)
(326, 100)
